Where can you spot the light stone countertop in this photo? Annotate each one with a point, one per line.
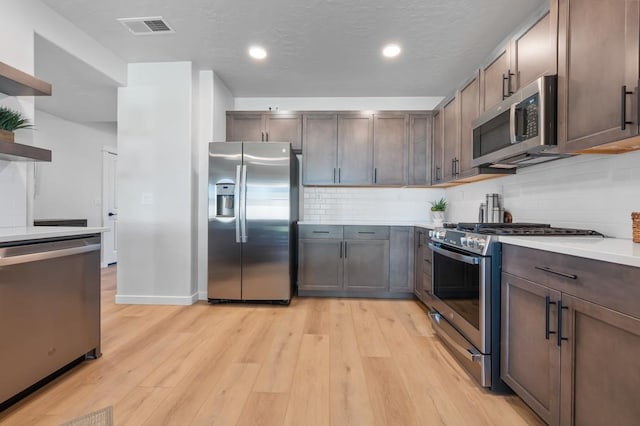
(26, 233)
(614, 250)
(370, 223)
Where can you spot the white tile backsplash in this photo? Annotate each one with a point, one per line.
(368, 204)
(588, 191)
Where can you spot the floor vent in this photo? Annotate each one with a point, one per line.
(147, 26)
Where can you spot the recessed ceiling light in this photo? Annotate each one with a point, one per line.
(257, 52)
(391, 50)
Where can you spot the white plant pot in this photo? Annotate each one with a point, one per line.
(437, 218)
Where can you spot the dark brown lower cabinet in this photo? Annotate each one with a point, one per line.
(570, 344)
(600, 379)
(530, 354)
(366, 265)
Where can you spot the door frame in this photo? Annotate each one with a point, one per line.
(106, 151)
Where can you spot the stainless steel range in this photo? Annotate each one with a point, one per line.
(466, 291)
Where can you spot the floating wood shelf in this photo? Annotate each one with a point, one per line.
(14, 82)
(17, 152)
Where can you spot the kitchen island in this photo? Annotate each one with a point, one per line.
(49, 303)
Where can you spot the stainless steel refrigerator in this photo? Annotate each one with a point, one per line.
(252, 213)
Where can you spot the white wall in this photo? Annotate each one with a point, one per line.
(70, 187)
(338, 103)
(155, 185)
(589, 191)
(369, 204)
(20, 20)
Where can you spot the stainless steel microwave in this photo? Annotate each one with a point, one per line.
(519, 131)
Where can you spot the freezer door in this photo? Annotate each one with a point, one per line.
(225, 247)
(266, 251)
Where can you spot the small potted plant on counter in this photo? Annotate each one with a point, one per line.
(437, 211)
(11, 121)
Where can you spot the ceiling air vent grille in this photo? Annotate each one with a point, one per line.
(147, 26)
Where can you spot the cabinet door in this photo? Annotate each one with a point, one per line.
(438, 149)
(366, 265)
(401, 260)
(494, 80)
(469, 111)
(420, 131)
(418, 252)
(320, 158)
(390, 149)
(597, 56)
(244, 127)
(450, 139)
(530, 358)
(534, 51)
(600, 365)
(320, 264)
(355, 149)
(284, 128)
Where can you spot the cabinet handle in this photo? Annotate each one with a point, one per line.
(560, 309)
(345, 249)
(437, 174)
(562, 274)
(339, 177)
(548, 304)
(340, 249)
(262, 140)
(511, 75)
(375, 175)
(320, 232)
(334, 175)
(623, 107)
(504, 78)
(366, 232)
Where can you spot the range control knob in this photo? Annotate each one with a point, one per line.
(474, 243)
(482, 243)
(463, 242)
(430, 234)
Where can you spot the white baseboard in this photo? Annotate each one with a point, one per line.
(156, 300)
(202, 295)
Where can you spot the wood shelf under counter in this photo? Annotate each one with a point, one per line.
(14, 82)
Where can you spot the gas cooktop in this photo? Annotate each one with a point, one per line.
(523, 229)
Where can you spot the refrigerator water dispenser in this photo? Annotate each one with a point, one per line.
(225, 199)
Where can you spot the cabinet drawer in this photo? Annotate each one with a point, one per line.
(608, 284)
(320, 231)
(366, 232)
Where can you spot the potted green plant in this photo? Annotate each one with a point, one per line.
(437, 211)
(11, 121)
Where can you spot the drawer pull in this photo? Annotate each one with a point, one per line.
(320, 232)
(551, 271)
(366, 232)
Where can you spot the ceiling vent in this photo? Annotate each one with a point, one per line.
(147, 26)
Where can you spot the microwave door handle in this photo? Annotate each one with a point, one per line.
(471, 260)
(512, 124)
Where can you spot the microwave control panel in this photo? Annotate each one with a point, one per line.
(527, 118)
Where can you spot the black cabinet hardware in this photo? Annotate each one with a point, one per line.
(366, 232)
(340, 249)
(339, 175)
(561, 274)
(334, 175)
(375, 175)
(560, 309)
(623, 108)
(112, 214)
(262, 137)
(345, 249)
(548, 304)
(320, 232)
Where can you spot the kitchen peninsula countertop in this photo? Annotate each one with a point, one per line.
(614, 250)
(369, 223)
(26, 233)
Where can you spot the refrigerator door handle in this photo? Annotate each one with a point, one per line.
(243, 205)
(236, 207)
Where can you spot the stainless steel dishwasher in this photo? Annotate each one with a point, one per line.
(49, 308)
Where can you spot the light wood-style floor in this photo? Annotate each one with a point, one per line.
(316, 362)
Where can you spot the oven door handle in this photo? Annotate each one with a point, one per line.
(440, 328)
(471, 260)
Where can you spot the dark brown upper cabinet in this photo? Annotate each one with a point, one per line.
(469, 110)
(265, 127)
(598, 58)
(420, 137)
(450, 138)
(355, 148)
(438, 149)
(530, 54)
(391, 149)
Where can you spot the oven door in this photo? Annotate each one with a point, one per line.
(462, 289)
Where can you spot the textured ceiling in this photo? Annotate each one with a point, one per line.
(316, 47)
(80, 93)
